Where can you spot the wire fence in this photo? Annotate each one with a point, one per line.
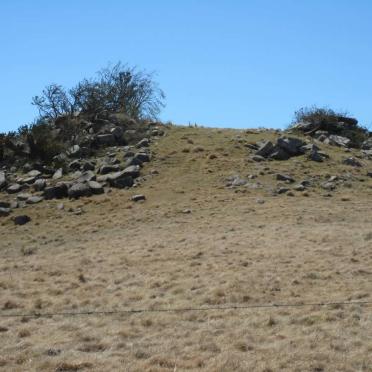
(179, 310)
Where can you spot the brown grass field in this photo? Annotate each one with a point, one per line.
(228, 250)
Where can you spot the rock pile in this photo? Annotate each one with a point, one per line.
(336, 130)
(92, 167)
(285, 148)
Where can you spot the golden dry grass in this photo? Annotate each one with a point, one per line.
(227, 250)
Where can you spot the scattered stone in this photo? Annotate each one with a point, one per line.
(21, 220)
(186, 211)
(260, 201)
(291, 145)
(75, 165)
(337, 141)
(258, 158)
(142, 157)
(328, 186)
(138, 197)
(88, 166)
(4, 204)
(367, 144)
(369, 174)
(352, 162)
(60, 206)
(299, 188)
(282, 190)
(284, 177)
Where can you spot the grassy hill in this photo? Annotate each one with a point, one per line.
(196, 243)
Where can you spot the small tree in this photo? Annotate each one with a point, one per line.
(115, 89)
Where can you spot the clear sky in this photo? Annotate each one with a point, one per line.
(221, 63)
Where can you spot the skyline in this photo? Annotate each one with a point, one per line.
(244, 65)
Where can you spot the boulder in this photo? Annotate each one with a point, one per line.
(88, 165)
(337, 141)
(117, 132)
(28, 180)
(75, 165)
(109, 168)
(143, 157)
(117, 179)
(258, 158)
(78, 190)
(132, 170)
(279, 154)
(315, 156)
(265, 149)
(133, 161)
(95, 187)
(58, 191)
(23, 196)
(4, 204)
(291, 145)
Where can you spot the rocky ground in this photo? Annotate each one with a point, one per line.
(217, 218)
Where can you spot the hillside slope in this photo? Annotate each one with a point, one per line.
(198, 241)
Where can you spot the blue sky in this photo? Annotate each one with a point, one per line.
(221, 63)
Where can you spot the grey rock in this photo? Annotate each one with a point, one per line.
(78, 190)
(367, 144)
(133, 161)
(74, 151)
(299, 187)
(58, 191)
(3, 181)
(75, 165)
(21, 220)
(88, 166)
(34, 173)
(28, 180)
(310, 147)
(315, 156)
(352, 162)
(291, 145)
(34, 199)
(258, 158)
(145, 142)
(328, 186)
(58, 174)
(282, 190)
(369, 174)
(95, 187)
(117, 132)
(132, 170)
(86, 177)
(338, 140)
(23, 196)
(265, 149)
(4, 212)
(143, 157)
(39, 185)
(13, 189)
(279, 154)
(284, 177)
(4, 204)
(109, 168)
(129, 154)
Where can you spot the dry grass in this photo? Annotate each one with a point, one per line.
(227, 249)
